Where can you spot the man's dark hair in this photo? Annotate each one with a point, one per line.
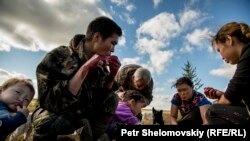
(105, 26)
(183, 80)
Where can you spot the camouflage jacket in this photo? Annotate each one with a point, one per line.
(53, 75)
(124, 81)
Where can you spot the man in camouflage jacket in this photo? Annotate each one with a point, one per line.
(74, 84)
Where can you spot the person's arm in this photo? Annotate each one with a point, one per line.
(52, 81)
(173, 114)
(203, 110)
(54, 85)
(223, 100)
(216, 94)
(12, 122)
(124, 114)
(76, 81)
(238, 86)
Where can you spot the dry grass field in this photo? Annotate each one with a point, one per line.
(147, 118)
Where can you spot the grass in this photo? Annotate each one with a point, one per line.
(33, 104)
(147, 114)
(148, 117)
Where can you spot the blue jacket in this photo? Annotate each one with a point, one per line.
(8, 121)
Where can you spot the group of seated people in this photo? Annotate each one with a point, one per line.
(17, 93)
(83, 86)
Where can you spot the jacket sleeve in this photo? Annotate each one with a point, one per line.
(11, 123)
(52, 80)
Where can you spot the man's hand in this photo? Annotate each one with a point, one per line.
(114, 65)
(95, 60)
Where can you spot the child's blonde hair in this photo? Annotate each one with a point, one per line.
(15, 80)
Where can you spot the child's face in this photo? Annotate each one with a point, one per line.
(17, 95)
(136, 107)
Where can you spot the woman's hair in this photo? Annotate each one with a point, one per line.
(133, 94)
(239, 30)
(105, 26)
(15, 80)
(183, 80)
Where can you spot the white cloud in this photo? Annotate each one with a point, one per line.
(4, 43)
(198, 38)
(226, 71)
(119, 2)
(125, 17)
(153, 38)
(128, 19)
(130, 7)
(156, 2)
(162, 27)
(122, 41)
(44, 25)
(145, 45)
(190, 18)
(6, 74)
(159, 90)
(160, 59)
(186, 49)
(126, 61)
(124, 3)
(171, 81)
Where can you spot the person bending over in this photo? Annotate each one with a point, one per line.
(191, 104)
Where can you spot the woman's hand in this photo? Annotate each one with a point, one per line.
(212, 93)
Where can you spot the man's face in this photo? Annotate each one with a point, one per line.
(139, 84)
(107, 46)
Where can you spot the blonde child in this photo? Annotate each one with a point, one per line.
(15, 96)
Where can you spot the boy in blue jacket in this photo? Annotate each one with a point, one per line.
(15, 96)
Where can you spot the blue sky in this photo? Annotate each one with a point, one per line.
(158, 34)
